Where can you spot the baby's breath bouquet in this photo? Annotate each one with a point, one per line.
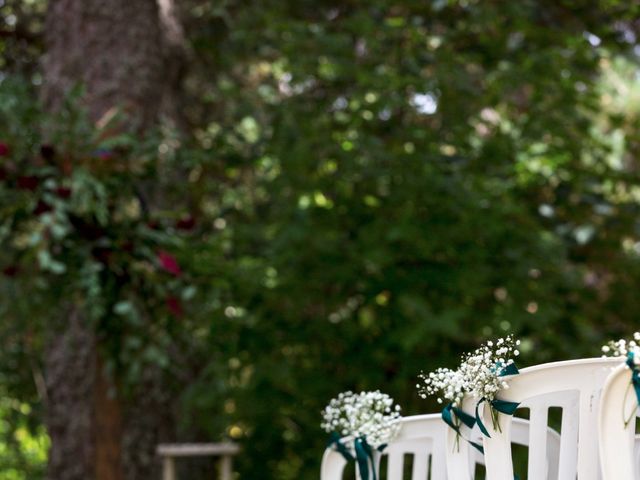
(368, 420)
(480, 375)
(629, 349)
(622, 347)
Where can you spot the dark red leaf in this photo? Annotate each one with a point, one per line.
(63, 192)
(4, 149)
(174, 305)
(47, 152)
(28, 182)
(186, 223)
(11, 270)
(169, 263)
(42, 207)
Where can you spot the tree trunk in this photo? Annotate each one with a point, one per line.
(125, 54)
(70, 379)
(117, 50)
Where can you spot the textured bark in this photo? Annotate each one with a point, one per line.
(117, 50)
(149, 421)
(107, 427)
(70, 380)
(125, 54)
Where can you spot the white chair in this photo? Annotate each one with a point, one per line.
(424, 437)
(574, 386)
(618, 405)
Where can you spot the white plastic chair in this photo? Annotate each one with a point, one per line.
(574, 386)
(425, 437)
(618, 404)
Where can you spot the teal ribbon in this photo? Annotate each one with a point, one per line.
(502, 406)
(510, 369)
(334, 441)
(635, 374)
(447, 416)
(364, 454)
(364, 457)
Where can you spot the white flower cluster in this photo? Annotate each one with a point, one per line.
(371, 415)
(449, 384)
(622, 347)
(478, 374)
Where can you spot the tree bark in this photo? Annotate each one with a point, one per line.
(70, 380)
(121, 51)
(124, 54)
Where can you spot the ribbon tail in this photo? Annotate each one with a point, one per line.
(334, 441)
(477, 446)
(503, 406)
(464, 417)
(362, 457)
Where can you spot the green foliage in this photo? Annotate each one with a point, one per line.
(23, 452)
(77, 225)
(423, 175)
(376, 188)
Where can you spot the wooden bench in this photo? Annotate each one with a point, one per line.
(170, 451)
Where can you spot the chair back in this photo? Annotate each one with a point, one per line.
(574, 386)
(617, 425)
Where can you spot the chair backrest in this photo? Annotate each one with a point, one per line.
(424, 438)
(574, 386)
(617, 405)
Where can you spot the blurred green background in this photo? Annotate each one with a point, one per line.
(366, 190)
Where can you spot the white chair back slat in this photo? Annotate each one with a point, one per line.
(556, 384)
(616, 439)
(636, 455)
(395, 465)
(420, 469)
(437, 463)
(561, 449)
(568, 464)
(538, 421)
(332, 466)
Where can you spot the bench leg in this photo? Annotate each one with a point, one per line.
(168, 469)
(225, 468)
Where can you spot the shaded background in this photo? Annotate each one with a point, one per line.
(295, 199)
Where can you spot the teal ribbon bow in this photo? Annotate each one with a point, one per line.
(635, 383)
(447, 416)
(364, 454)
(635, 374)
(502, 406)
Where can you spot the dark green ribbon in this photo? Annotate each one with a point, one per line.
(334, 441)
(635, 374)
(364, 454)
(502, 406)
(510, 369)
(447, 415)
